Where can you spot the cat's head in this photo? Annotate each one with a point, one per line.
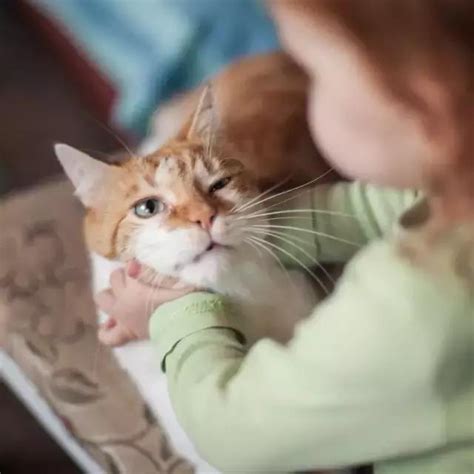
(174, 210)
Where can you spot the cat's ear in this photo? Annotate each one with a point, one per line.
(85, 172)
(203, 123)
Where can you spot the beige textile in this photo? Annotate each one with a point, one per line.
(47, 325)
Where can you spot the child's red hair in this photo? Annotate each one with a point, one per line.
(404, 40)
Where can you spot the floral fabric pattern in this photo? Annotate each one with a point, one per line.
(47, 326)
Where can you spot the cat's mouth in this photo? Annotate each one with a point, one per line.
(213, 247)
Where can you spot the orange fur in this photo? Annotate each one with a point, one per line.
(261, 139)
(107, 228)
(261, 103)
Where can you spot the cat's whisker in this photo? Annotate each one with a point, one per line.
(153, 289)
(282, 237)
(295, 259)
(300, 218)
(237, 209)
(308, 231)
(268, 232)
(249, 204)
(297, 211)
(252, 244)
(296, 195)
(269, 251)
(116, 136)
(107, 157)
(273, 255)
(312, 181)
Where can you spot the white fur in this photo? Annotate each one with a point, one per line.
(251, 279)
(270, 300)
(85, 172)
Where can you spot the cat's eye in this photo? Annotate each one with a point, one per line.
(221, 183)
(148, 208)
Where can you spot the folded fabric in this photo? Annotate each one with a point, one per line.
(151, 49)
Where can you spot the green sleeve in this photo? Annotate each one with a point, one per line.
(346, 390)
(331, 223)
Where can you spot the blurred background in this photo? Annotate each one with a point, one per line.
(81, 72)
(70, 65)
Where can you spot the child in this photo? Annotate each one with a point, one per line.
(382, 371)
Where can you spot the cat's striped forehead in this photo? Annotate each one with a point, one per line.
(172, 168)
(187, 164)
(175, 174)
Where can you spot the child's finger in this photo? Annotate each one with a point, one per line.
(116, 336)
(133, 269)
(117, 280)
(105, 300)
(109, 323)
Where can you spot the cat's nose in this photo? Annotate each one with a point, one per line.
(204, 218)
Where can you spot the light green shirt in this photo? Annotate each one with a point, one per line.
(381, 372)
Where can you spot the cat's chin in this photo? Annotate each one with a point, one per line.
(211, 267)
(217, 269)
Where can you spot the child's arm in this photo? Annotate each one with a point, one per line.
(355, 384)
(335, 220)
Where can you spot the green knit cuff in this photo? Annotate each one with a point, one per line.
(174, 321)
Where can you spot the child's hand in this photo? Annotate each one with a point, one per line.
(130, 303)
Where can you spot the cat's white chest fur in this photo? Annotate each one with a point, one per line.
(269, 301)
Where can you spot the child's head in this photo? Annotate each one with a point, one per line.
(392, 88)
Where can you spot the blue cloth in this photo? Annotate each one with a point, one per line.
(151, 49)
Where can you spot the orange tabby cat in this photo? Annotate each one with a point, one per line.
(191, 208)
